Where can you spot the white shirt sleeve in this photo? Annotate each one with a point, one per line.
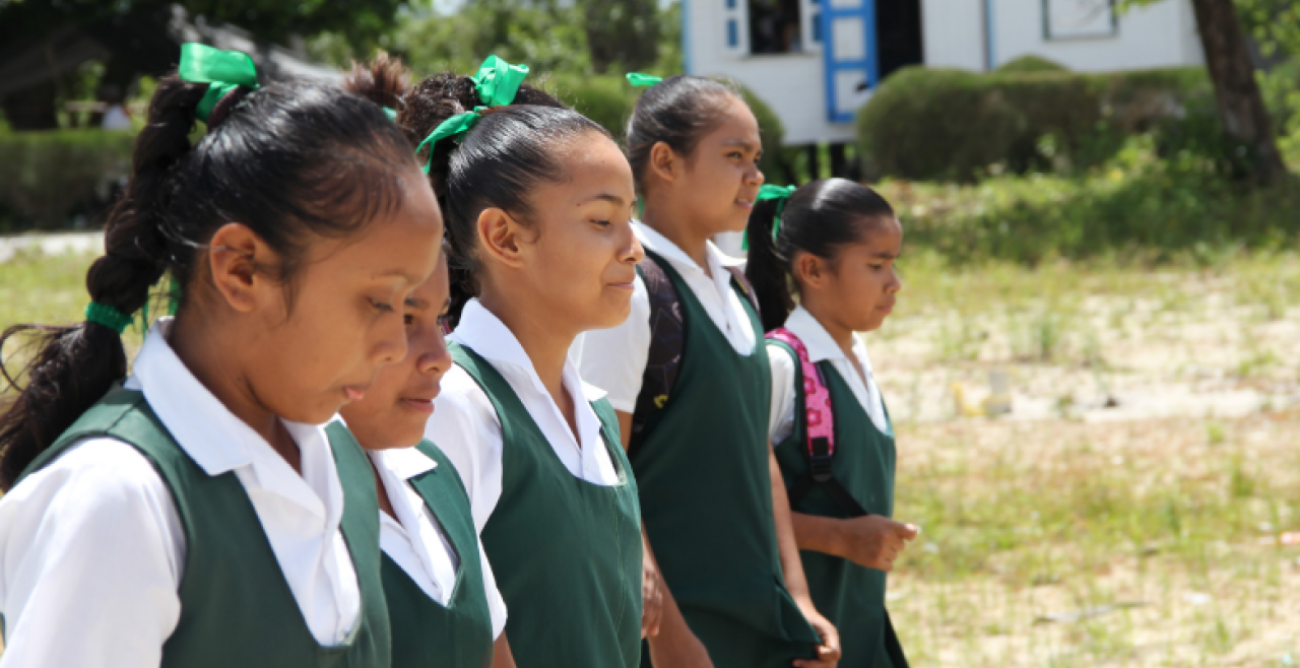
(496, 604)
(466, 428)
(781, 419)
(91, 558)
(614, 359)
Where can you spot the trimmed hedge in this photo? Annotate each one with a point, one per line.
(47, 177)
(943, 124)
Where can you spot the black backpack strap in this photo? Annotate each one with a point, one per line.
(667, 344)
(821, 473)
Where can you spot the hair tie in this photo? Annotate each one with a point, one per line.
(778, 193)
(223, 71)
(391, 113)
(225, 105)
(496, 84)
(108, 316)
(639, 80)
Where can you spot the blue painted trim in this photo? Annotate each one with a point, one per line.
(870, 63)
(990, 35)
(686, 36)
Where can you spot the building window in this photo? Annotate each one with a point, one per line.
(775, 26)
(1079, 19)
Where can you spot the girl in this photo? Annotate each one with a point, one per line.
(443, 601)
(709, 485)
(837, 242)
(442, 598)
(538, 202)
(198, 515)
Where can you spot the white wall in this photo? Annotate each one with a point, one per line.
(952, 33)
(792, 84)
(1148, 37)
(1160, 35)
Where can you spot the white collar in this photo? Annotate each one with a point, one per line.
(818, 341)
(480, 330)
(405, 463)
(653, 240)
(210, 434)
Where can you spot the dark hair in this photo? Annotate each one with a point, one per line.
(678, 111)
(288, 160)
(496, 165)
(818, 218)
(384, 80)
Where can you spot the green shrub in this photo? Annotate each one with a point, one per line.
(957, 125)
(772, 133)
(1137, 205)
(608, 100)
(45, 177)
(1031, 63)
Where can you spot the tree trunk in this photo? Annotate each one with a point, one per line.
(1241, 107)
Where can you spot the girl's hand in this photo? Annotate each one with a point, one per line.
(828, 653)
(874, 541)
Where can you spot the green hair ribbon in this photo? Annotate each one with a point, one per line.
(107, 316)
(497, 82)
(391, 113)
(639, 80)
(224, 71)
(769, 192)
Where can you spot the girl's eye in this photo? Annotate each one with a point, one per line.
(602, 223)
(381, 306)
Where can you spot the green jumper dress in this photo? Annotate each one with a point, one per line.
(852, 597)
(236, 607)
(566, 552)
(706, 499)
(426, 633)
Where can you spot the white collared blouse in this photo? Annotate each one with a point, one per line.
(615, 359)
(466, 428)
(414, 539)
(821, 347)
(92, 549)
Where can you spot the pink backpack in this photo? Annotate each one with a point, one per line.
(819, 426)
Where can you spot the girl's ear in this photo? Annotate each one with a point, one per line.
(498, 237)
(237, 258)
(809, 271)
(663, 162)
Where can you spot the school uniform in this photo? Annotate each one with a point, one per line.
(557, 511)
(851, 596)
(161, 530)
(442, 597)
(702, 466)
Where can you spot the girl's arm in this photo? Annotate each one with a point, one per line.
(872, 541)
(501, 655)
(828, 653)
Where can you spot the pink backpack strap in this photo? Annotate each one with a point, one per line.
(820, 421)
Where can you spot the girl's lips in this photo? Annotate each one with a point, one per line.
(747, 205)
(354, 393)
(418, 405)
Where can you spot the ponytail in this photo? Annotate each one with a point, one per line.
(765, 270)
(819, 218)
(384, 81)
(287, 160)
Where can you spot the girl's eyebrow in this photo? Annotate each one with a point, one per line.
(743, 143)
(607, 197)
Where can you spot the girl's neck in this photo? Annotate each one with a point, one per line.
(678, 227)
(198, 346)
(546, 346)
(841, 334)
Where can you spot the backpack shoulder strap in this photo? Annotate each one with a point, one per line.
(667, 344)
(819, 429)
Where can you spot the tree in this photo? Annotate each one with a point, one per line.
(621, 33)
(1241, 106)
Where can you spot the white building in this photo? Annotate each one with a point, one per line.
(817, 61)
